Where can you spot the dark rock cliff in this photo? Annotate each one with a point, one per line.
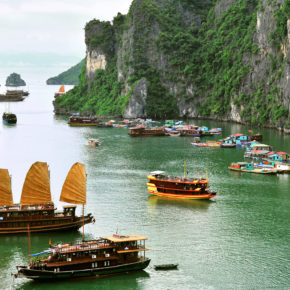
(226, 60)
(15, 80)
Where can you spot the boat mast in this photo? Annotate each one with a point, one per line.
(83, 222)
(184, 169)
(28, 242)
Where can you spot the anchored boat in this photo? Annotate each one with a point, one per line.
(103, 256)
(36, 210)
(166, 267)
(251, 168)
(178, 187)
(9, 118)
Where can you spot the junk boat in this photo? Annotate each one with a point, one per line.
(103, 256)
(60, 92)
(143, 131)
(178, 187)
(9, 118)
(251, 168)
(36, 211)
(13, 96)
(166, 267)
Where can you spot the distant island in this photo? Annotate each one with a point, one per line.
(69, 77)
(14, 80)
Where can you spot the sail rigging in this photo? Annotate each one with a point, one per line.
(74, 187)
(5, 188)
(36, 187)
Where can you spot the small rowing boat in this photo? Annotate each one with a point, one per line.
(166, 267)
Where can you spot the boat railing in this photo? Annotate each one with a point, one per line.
(81, 246)
(178, 179)
(18, 207)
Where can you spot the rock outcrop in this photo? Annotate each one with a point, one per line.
(14, 80)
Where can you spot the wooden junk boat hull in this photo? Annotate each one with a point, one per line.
(4, 98)
(42, 225)
(182, 196)
(25, 272)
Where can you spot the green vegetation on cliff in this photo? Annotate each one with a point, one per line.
(176, 45)
(69, 77)
(100, 97)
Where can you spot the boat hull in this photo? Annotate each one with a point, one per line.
(82, 124)
(154, 190)
(43, 275)
(257, 171)
(184, 196)
(66, 225)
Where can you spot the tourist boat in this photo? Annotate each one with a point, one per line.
(60, 92)
(12, 96)
(9, 118)
(94, 142)
(178, 187)
(228, 144)
(103, 256)
(36, 210)
(251, 168)
(166, 267)
(143, 131)
(77, 121)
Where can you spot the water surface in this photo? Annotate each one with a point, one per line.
(239, 240)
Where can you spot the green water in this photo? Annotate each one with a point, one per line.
(239, 240)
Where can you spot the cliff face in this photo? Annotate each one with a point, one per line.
(226, 60)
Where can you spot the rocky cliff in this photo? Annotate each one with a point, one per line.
(226, 60)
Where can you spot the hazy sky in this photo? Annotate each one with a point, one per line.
(52, 25)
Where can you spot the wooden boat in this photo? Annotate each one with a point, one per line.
(77, 121)
(207, 144)
(60, 92)
(103, 256)
(189, 131)
(251, 168)
(166, 267)
(143, 131)
(9, 118)
(36, 210)
(94, 142)
(228, 144)
(178, 187)
(12, 96)
(257, 137)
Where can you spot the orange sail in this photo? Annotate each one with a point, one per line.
(36, 187)
(61, 89)
(5, 188)
(74, 188)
